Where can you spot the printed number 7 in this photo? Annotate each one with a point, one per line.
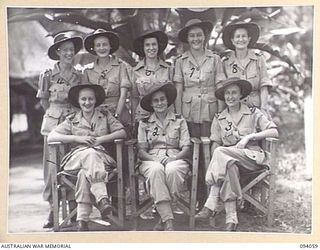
(192, 70)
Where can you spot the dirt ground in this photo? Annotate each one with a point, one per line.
(293, 203)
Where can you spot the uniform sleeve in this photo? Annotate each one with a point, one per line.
(113, 124)
(263, 122)
(219, 69)
(142, 136)
(125, 82)
(184, 134)
(178, 74)
(133, 78)
(64, 128)
(43, 85)
(216, 131)
(265, 80)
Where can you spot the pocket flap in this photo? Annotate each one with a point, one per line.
(187, 98)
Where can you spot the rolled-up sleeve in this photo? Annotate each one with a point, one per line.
(215, 132)
(264, 78)
(184, 135)
(142, 136)
(219, 70)
(124, 76)
(178, 75)
(64, 128)
(43, 85)
(263, 122)
(113, 123)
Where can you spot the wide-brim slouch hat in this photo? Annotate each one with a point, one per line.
(114, 40)
(73, 94)
(138, 44)
(169, 89)
(206, 26)
(244, 85)
(61, 38)
(228, 32)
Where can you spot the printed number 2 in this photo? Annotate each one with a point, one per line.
(192, 71)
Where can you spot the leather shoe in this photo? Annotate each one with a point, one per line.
(205, 213)
(159, 226)
(72, 205)
(168, 225)
(104, 207)
(82, 226)
(231, 227)
(49, 221)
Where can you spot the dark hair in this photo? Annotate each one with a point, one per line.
(234, 31)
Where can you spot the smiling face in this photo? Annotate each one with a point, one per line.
(101, 45)
(240, 38)
(151, 47)
(159, 102)
(196, 38)
(66, 52)
(87, 100)
(232, 95)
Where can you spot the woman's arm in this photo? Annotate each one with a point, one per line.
(264, 98)
(57, 137)
(122, 100)
(271, 132)
(178, 98)
(119, 134)
(145, 156)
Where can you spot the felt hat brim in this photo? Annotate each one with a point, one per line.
(73, 94)
(244, 85)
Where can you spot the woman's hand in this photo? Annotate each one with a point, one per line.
(87, 140)
(243, 142)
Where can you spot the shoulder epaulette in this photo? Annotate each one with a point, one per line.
(252, 109)
(105, 112)
(258, 53)
(217, 114)
(145, 119)
(178, 116)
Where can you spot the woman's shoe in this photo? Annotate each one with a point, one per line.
(159, 226)
(104, 207)
(49, 221)
(82, 226)
(205, 213)
(231, 227)
(168, 225)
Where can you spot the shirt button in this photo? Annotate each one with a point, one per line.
(199, 96)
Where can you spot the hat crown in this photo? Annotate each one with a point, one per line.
(98, 31)
(192, 22)
(62, 36)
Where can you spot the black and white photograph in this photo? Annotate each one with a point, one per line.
(160, 119)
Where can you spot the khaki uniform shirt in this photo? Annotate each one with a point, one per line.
(142, 79)
(226, 132)
(111, 78)
(163, 139)
(254, 70)
(199, 103)
(55, 88)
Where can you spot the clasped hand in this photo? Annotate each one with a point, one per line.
(88, 140)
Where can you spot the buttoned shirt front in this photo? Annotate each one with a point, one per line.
(165, 139)
(253, 70)
(112, 78)
(143, 79)
(199, 82)
(227, 132)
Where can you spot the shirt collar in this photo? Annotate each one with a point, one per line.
(244, 110)
(142, 64)
(170, 116)
(113, 62)
(96, 116)
(56, 69)
(251, 56)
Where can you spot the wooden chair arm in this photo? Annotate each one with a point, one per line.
(205, 140)
(131, 142)
(195, 140)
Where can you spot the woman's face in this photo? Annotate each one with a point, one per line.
(196, 38)
(232, 95)
(240, 39)
(159, 102)
(87, 100)
(101, 45)
(66, 52)
(151, 47)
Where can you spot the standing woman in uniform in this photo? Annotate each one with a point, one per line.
(109, 72)
(54, 85)
(244, 63)
(150, 70)
(196, 73)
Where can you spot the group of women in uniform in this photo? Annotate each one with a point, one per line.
(201, 95)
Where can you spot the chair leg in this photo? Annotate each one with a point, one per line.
(64, 202)
(272, 184)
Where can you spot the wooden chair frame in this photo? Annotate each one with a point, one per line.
(264, 179)
(138, 207)
(61, 183)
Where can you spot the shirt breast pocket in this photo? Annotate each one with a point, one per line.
(58, 92)
(174, 136)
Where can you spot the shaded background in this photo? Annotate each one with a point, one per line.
(286, 40)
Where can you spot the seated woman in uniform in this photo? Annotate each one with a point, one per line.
(88, 129)
(164, 146)
(235, 147)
